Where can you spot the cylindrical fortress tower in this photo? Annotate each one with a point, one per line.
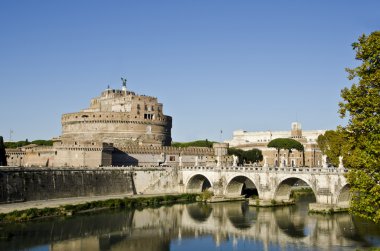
(120, 117)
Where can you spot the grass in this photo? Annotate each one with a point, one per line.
(67, 210)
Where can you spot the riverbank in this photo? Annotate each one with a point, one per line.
(25, 211)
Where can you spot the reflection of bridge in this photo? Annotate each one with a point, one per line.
(281, 226)
(155, 229)
(328, 184)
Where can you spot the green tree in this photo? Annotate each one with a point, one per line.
(254, 155)
(331, 144)
(3, 158)
(286, 144)
(26, 142)
(198, 143)
(236, 152)
(361, 104)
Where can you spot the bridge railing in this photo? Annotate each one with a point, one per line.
(266, 169)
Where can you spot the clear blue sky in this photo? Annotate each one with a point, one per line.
(252, 65)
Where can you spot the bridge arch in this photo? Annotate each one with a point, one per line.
(291, 225)
(344, 197)
(241, 185)
(198, 183)
(199, 213)
(240, 216)
(284, 188)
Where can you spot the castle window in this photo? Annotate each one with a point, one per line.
(172, 158)
(148, 116)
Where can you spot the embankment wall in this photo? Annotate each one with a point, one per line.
(22, 184)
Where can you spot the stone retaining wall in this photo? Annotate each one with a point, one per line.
(21, 184)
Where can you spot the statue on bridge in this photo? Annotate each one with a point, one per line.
(218, 162)
(341, 162)
(282, 162)
(324, 161)
(265, 161)
(235, 160)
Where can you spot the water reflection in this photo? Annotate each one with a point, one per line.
(227, 225)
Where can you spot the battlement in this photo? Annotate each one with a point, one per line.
(111, 117)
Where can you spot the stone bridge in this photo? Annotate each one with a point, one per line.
(329, 185)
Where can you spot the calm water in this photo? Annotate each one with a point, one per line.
(195, 227)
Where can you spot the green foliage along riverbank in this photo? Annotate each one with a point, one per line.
(67, 210)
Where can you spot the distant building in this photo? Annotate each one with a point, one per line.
(120, 128)
(259, 140)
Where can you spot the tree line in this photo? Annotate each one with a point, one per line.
(26, 142)
(197, 143)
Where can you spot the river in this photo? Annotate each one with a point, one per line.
(195, 227)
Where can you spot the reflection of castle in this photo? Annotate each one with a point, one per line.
(119, 128)
(259, 140)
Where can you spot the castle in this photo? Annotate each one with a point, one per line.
(119, 128)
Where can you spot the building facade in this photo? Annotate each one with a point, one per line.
(312, 155)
